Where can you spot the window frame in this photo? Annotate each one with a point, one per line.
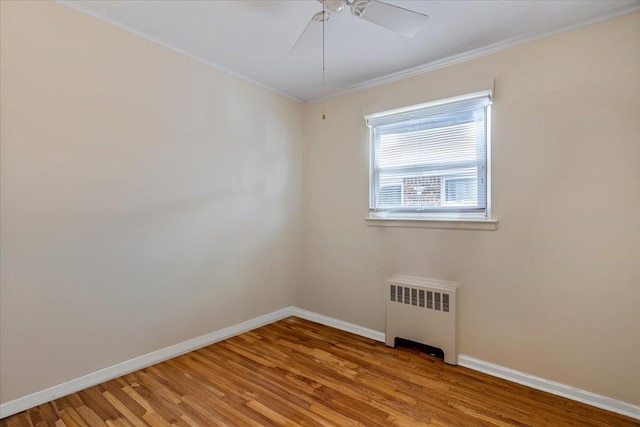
(455, 216)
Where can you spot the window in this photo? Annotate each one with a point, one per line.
(431, 160)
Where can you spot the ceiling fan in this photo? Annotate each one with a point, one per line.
(395, 18)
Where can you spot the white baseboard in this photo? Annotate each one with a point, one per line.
(115, 371)
(552, 387)
(131, 365)
(338, 324)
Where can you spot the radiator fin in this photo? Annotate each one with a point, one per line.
(416, 297)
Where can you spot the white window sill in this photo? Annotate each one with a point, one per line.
(422, 222)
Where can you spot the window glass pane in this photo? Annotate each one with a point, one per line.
(431, 159)
(432, 188)
(390, 195)
(461, 190)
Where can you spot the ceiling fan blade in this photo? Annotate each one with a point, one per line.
(311, 37)
(395, 18)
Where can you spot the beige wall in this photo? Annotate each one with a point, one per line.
(555, 292)
(146, 198)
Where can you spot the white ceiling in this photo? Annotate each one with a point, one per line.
(252, 38)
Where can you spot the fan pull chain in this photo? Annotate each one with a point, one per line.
(324, 18)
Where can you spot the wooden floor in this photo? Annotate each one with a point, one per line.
(295, 372)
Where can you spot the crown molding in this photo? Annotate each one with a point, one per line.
(388, 78)
(479, 52)
(71, 4)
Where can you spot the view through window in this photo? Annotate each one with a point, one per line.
(431, 159)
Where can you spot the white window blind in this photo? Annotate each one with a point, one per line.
(431, 159)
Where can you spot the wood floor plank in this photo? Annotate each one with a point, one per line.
(90, 417)
(72, 418)
(299, 373)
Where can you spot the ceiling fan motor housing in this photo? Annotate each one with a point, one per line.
(358, 7)
(333, 6)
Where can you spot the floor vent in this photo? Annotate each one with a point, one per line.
(424, 311)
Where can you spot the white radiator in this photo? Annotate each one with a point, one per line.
(423, 311)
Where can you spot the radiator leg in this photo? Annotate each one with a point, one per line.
(450, 358)
(390, 341)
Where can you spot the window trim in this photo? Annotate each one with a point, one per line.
(483, 224)
(457, 220)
